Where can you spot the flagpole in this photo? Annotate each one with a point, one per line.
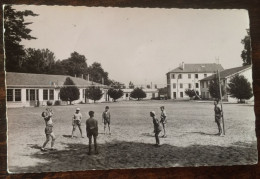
(220, 92)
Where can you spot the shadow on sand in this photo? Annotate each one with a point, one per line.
(121, 154)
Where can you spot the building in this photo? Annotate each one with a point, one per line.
(187, 76)
(225, 77)
(150, 93)
(26, 89)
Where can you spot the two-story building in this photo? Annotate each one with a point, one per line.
(225, 77)
(27, 89)
(187, 76)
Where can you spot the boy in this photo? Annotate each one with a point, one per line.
(157, 127)
(106, 119)
(76, 121)
(218, 116)
(163, 120)
(48, 129)
(92, 130)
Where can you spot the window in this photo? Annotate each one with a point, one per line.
(174, 85)
(32, 95)
(189, 85)
(197, 76)
(45, 94)
(205, 75)
(202, 84)
(181, 85)
(126, 95)
(197, 85)
(173, 76)
(189, 76)
(9, 95)
(181, 94)
(17, 93)
(51, 94)
(27, 95)
(180, 76)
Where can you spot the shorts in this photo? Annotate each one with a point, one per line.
(91, 133)
(76, 123)
(48, 130)
(107, 121)
(218, 119)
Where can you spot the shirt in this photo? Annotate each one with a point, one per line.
(217, 111)
(77, 116)
(91, 124)
(106, 115)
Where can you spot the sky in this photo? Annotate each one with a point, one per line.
(139, 44)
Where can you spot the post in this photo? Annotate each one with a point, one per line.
(220, 92)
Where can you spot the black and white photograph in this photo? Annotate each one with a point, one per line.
(98, 88)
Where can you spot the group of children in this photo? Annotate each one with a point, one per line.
(92, 125)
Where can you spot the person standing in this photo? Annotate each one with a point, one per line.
(92, 130)
(157, 127)
(163, 120)
(76, 121)
(47, 116)
(218, 117)
(106, 119)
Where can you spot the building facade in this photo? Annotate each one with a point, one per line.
(26, 89)
(225, 77)
(188, 76)
(150, 93)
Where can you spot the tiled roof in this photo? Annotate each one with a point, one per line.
(14, 79)
(198, 68)
(227, 72)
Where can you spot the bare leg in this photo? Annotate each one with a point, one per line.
(157, 138)
(89, 144)
(80, 131)
(104, 128)
(73, 129)
(52, 139)
(109, 128)
(95, 144)
(46, 142)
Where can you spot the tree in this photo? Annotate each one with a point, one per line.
(69, 91)
(38, 61)
(138, 93)
(75, 65)
(239, 87)
(191, 93)
(131, 85)
(115, 93)
(148, 86)
(15, 30)
(214, 88)
(97, 74)
(94, 93)
(246, 53)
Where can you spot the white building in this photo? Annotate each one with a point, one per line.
(150, 93)
(225, 77)
(187, 76)
(25, 89)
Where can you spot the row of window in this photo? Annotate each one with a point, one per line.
(31, 94)
(205, 84)
(181, 85)
(180, 76)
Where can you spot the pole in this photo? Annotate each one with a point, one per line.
(220, 92)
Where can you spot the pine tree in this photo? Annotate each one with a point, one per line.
(214, 88)
(115, 93)
(69, 91)
(94, 93)
(138, 93)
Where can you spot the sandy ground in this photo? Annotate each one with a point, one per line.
(191, 141)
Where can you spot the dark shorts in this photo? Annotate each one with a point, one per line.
(93, 133)
(107, 121)
(48, 130)
(218, 119)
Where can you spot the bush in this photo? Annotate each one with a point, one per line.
(49, 103)
(57, 103)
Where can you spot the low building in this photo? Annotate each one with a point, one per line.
(27, 89)
(187, 76)
(150, 93)
(225, 77)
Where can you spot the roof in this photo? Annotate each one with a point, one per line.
(14, 79)
(198, 68)
(227, 72)
(147, 90)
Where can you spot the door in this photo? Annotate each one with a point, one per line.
(174, 95)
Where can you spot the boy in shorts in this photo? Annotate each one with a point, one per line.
(163, 120)
(92, 130)
(76, 121)
(106, 119)
(218, 116)
(48, 129)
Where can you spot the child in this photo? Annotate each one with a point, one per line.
(157, 127)
(48, 129)
(76, 121)
(106, 119)
(92, 130)
(163, 121)
(218, 116)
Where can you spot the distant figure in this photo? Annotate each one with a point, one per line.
(163, 120)
(218, 116)
(76, 121)
(106, 119)
(92, 130)
(48, 129)
(157, 127)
